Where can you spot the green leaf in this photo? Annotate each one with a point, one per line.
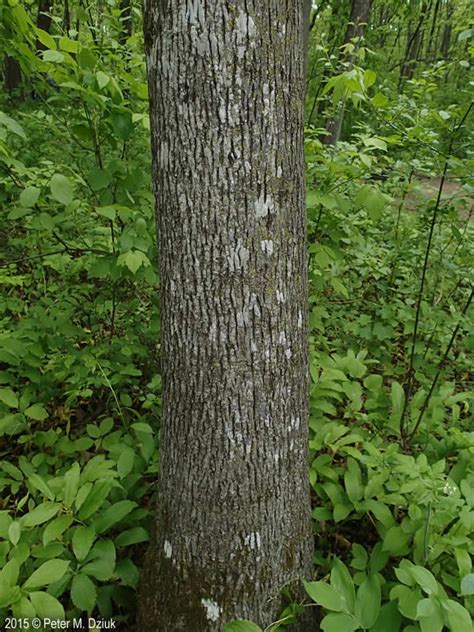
(11, 125)
(36, 412)
(53, 56)
(369, 78)
(464, 561)
(325, 595)
(389, 619)
(241, 626)
(113, 514)
(101, 569)
(430, 615)
(339, 287)
(102, 79)
(125, 462)
(11, 470)
(142, 427)
(467, 584)
(128, 572)
(398, 401)
(353, 480)
(9, 596)
(48, 573)
(14, 532)
(68, 45)
(98, 179)
(463, 35)
(133, 260)
(56, 528)
(9, 574)
(46, 606)
(122, 124)
(29, 196)
(341, 580)
(425, 579)
(62, 189)
(71, 484)
(45, 38)
(360, 557)
(368, 601)
(458, 617)
(132, 536)
(395, 541)
(82, 540)
(83, 593)
(408, 599)
(107, 211)
(94, 499)
(379, 100)
(40, 514)
(8, 397)
(339, 623)
(378, 143)
(23, 609)
(41, 485)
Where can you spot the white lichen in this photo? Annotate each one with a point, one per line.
(267, 246)
(238, 257)
(253, 540)
(280, 297)
(213, 610)
(168, 549)
(263, 206)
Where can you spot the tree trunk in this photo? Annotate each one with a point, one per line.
(12, 74)
(67, 17)
(126, 19)
(233, 525)
(44, 20)
(360, 11)
(414, 41)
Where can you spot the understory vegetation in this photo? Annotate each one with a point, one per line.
(390, 243)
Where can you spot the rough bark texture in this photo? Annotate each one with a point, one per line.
(233, 525)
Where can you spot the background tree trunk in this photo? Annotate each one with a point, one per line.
(11, 74)
(126, 18)
(233, 525)
(67, 17)
(360, 11)
(44, 20)
(414, 40)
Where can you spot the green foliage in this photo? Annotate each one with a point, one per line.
(79, 385)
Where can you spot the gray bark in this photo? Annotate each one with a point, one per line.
(233, 524)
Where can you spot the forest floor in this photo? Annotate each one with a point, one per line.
(453, 192)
